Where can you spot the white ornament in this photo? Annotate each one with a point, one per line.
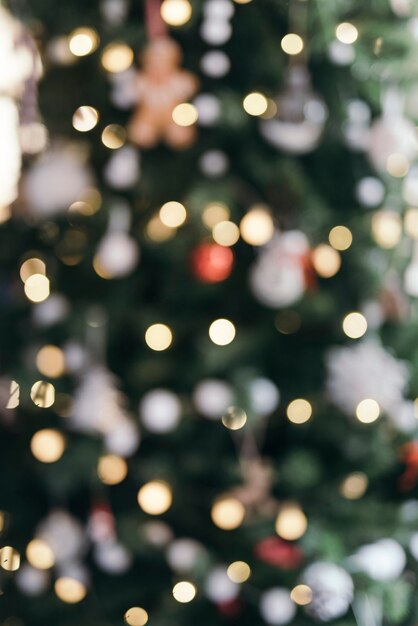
(277, 278)
(160, 410)
(332, 590)
(208, 108)
(32, 581)
(124, 439)
(264, 396)
(341, 53)
(114, 11)
(215, 63)
(75, 356)
(220, 588)
(221, 9)
(212, 397)
(214, 163)
(215, 31)
(370, 191)
(112, 557)
(183, 554)
(276, 606)
(64, 535)
(365, 370)
(122, 169)
(402, 8)
(51, 311)
(57, 179)
(118, 252)
(383, 560)
(301, 115)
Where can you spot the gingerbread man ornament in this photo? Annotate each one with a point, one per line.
(160, 86)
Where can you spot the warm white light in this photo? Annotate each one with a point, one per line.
(9, 559)
(83, 41)
(37, 288)
(214, 213)
(367, 411)
(257, 226)
(185, 114)
(47, 445)
(50, 361)
(411, 223)
(386, 228)
(113, 136)
(225, 233)
(42, 394)
(173, 214)
(176, 12)
(32, 266)
(85, 118)
(354, 486)
(222, 332)
(234, 418)
(291, 522)
(255, 104)
(301, 595)
(239, 572)
(292, 44)
(112, 469)
(158, 337)
(227, 513)
(397, 165)
(39, 554)
(346, 32)
(136, 616)
(299, 411)
(70, 590)
(184, 591)
(354, 325)
(340, 237)
(326, 260)
(117, 57)
(155, 497)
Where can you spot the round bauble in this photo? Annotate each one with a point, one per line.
(160, 410)
(183, 554)
(276, 606)
(212, 397)
(117, 255)
(332, 590)
(220, 588)
(212, 263)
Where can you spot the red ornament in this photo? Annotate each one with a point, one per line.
(230, 609)
(275, 551)
(212, 263)
(409, 456)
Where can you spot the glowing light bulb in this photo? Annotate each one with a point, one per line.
(227, 513)
(291, 522)
(367, 411)
(222, 332)
(255, 104)
(354, 325)
(155, 497)
(85, 118)
(83, 41)
(292, 44)
(184, 591)
(158, 337)
(176, 12)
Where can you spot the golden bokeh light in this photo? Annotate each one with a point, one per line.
(239, 571)
(9, 559)
(85, 118)
(387, 228)
(397, 165)
(158, 337)
(89, 203)
(113, 136)
(42, 394)
(214, 213)
(234, 418)
(367, 411)
(155, 497)
(70, 590)
(157, 231)
(225, 233)
(39, 554)
(411, 222)
(292, 44)
(112, 469)
(340, 237)
(117, 57)
(291, 522)
(299, 411)
(354, 325)
(354, 486)
(184, 591)
(257, 226)
(176, 12)
(227, 513)
(83, 41)
(301, 595)
(173, 214)
(346, 32)
(47, 445)
(255, 103)
(222, 332)
(30, 267)
(50, 361)
(37, 288)
(136, 616)
(326, 260)
(184, 114)
(14, 395)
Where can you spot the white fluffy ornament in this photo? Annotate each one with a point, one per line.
(32, 581)
(365, 370)
(112, 557)
(212, 397)
(57, 179)
(122, 170)
(220, 588)
(383, 560)
(276, 606)
(118, 252)
(64, 535)
(160, 410)
(277, 278)
(332, 590)
(301, 115)
(264, 396)
(183, 554)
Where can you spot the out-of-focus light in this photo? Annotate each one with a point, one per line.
(113, 136)
(83, 41)
(136, 616)
(85, 118)
(299, 411)
(184, 591)
(291, 522)
(185, 114)
(354, 325)
(39, 554)
(70, 590)
(367, 411)
(50, 361)
(354, 486)
(176, 12)
(346, 33)
(227, 513)
(173, 214)
(42, 394)
(112, 469)
(158, 337)
(155, 497)
(157, 231)
(234, 418)
(239, 571)
(386, 228)
(340, 237)
(47, 445)
(255, 103)
(214, 213)
(326, 261)
(225, 233)
(117, 57)
(9, 559)
(222, 332)
(292, 44)
(257, 226)
(37, 287)
(397, 165)
(30, 267)
(411, 223)
(301, 595)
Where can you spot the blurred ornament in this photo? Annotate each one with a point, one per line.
(112, 557)
(332, 590)
(212, 263)
(410, 187)
(220, 588)
(276, 606)
(212, 397)
(118, 252)
(208, 107)
(402, 8)
(114, 11)
(392, 134)
(215, 31)
(409, 456)
(57, 179)
(124, 439)
(370, 191)
(282, 554)
(122, 170)
(413, 545)
(52, 311)
(218, 9)
(160, 410)
(157, 533)
(341, 53)
(32, 581)
(64, 535)
(214, 163)
(365, 370)
(215, 63)
(20, 69)
(383, 560)
(101, 523)
(411, 273)
(356, 127)
(183, 555)
(264, 396)
(161, 85)
(278, 277)
(301, 115)
(404, 417)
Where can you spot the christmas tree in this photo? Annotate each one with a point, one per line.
(209, 226)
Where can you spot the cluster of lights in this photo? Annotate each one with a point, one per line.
(222, 332)
(291, 522)
(354, 325)
(155, 497)
(299, 411)
(158, 337)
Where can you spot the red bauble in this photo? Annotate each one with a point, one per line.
(275, 551)
(230, 609)
(212, 263)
